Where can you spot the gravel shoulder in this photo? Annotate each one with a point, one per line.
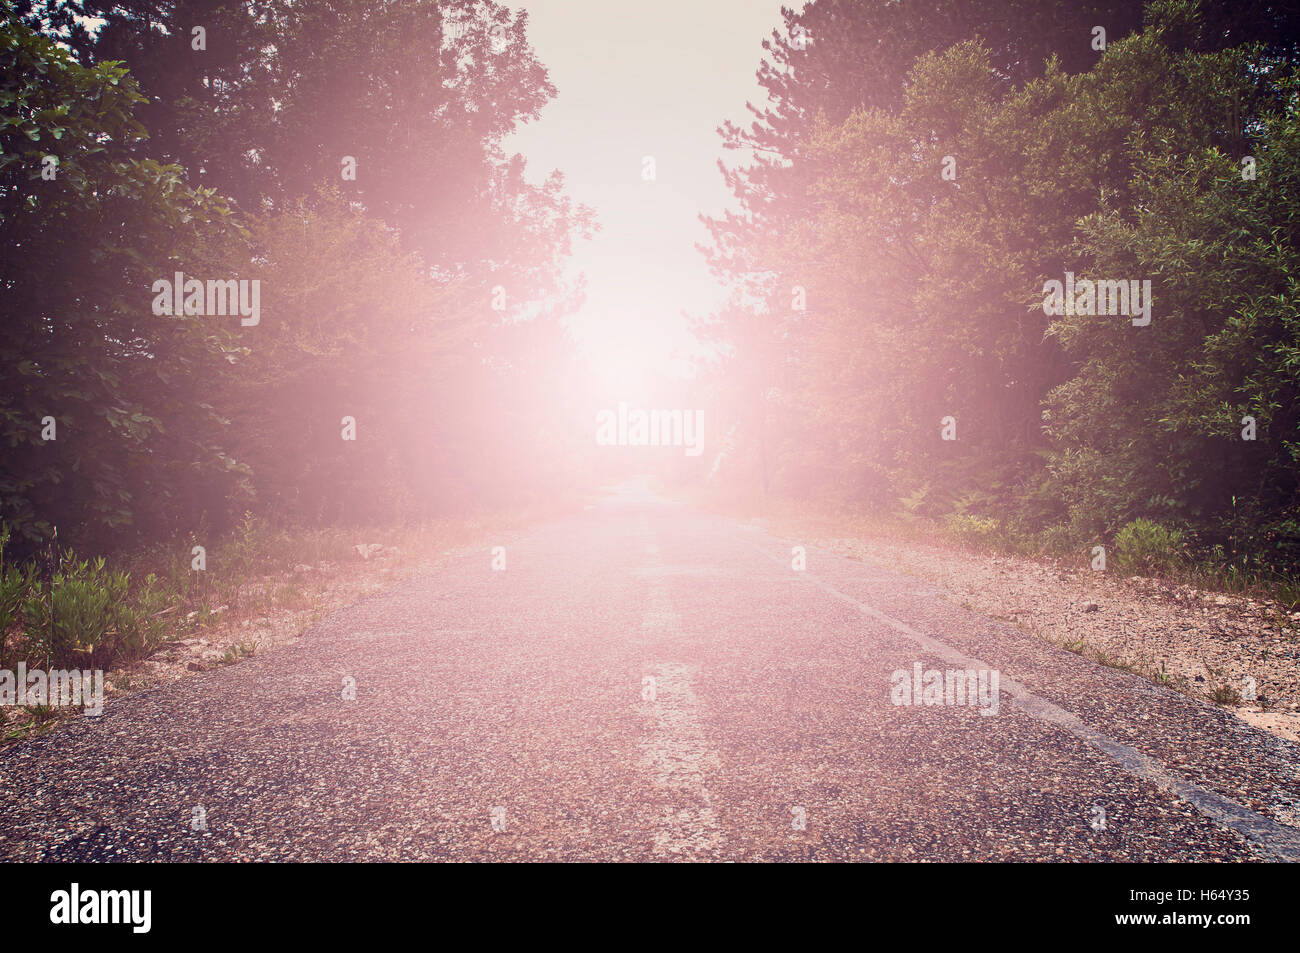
(280, 606)
(1209, 645)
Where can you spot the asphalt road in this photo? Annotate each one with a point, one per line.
(645, 681)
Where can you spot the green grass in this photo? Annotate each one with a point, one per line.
(236, 652)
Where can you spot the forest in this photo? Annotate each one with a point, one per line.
(939, 191)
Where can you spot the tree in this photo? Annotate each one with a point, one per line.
(1194, 423)
(930, 231)
(86, 227)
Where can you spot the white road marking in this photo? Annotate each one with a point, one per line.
(1281, 840)
(676, 752)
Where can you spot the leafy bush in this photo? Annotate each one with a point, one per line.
(79, 615)
(85, 614)
(1146, 546)
(973, 530)
(15, 582)
(144, 626)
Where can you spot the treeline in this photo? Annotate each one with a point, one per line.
(341, 161)
(925, 171)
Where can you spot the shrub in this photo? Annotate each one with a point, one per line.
(144, 625)
(1148, 547)
(15, 582)
(973, 530)
(79, 615)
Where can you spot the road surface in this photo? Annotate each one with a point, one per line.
(645, 681)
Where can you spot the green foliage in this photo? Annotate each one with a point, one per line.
(78, 255)
(925, 295)
(373, 287)
(1157, 428)
(78, 616)
(15, 582)
(148, 622)
(1146, 547)
(84, 614)
(248, 548)
(421, 93)
(973, 530)
(239, 650)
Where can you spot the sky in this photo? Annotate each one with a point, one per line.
(629, 88)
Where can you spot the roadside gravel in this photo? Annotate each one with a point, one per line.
(1195, 641)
